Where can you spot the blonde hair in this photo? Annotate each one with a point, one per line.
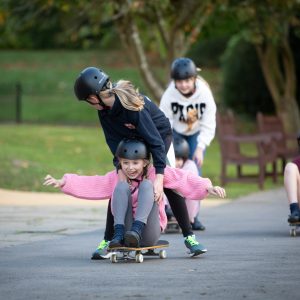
(129, 96)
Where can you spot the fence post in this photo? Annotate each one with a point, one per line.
(18, 102)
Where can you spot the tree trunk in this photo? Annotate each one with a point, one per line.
(155, 88)
(279, 71)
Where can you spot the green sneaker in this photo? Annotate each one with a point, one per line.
(194, 247)
(101, 251)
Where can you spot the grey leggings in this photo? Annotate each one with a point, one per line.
(147, 210)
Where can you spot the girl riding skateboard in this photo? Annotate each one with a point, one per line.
(139, 217)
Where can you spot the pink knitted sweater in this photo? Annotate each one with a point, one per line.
(97, 187)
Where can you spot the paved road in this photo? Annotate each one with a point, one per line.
(250, 256)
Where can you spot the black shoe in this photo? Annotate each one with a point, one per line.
(197, 225)
(132, 239)
(134, 235)
(294, 217)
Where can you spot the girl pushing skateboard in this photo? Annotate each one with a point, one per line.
(125, 113)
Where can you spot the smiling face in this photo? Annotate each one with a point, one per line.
(186, 86)
(133, 168)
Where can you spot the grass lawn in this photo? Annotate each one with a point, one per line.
(29, 152)
(47, 79)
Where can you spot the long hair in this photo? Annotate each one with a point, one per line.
(129, 96)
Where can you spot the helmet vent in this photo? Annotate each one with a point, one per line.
(95, 77)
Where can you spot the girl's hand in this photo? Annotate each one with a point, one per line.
(57, 183)
(158, 187)
(217, 191)
(198, 156)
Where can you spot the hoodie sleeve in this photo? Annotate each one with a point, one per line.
(90, 187)
(148, 131)
(165, 105)
(189, 185)
(208, 122)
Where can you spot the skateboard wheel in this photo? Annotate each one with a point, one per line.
(293, 232)
(139, 258)
(162, 254)
(113, 258)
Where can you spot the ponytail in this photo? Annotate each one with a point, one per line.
(128, 95)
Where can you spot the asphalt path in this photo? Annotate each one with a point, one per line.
(250, 256)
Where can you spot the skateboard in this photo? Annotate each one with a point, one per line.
(172, 227)
(294, 227)
(136, 253)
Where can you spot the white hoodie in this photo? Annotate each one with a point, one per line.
(196, 113)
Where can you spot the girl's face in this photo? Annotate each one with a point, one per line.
(94, 101)
(133, 168)
(179, 163)
(186, 86)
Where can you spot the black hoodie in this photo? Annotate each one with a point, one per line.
(151, 125)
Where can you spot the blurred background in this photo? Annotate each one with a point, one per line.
(248, 51)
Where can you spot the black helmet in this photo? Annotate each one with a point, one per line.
(90, 82)
(183, 68)
(132, 149)
(181, 148)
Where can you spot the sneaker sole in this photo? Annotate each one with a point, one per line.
(197, 252)
(100, 256)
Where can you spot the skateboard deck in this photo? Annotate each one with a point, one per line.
(294, 228)
(172, 227)
(136, 253)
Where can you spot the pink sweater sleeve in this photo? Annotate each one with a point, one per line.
(189, 185)
(90, 187)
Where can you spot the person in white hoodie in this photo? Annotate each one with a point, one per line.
(190, 106)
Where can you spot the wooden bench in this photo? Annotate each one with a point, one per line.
(230, 145)
(286, 145)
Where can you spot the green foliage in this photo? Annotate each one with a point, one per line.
(207, 53)
(40, 24)
(244, 88)
(265, 21)
(217, 30)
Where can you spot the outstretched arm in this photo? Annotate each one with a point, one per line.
(189, 185)
(85, 187)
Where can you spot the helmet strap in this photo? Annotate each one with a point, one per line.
(102, 103)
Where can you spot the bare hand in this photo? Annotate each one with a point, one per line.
(198, 156)
(57, 183)
(158, 187)
(217, 191)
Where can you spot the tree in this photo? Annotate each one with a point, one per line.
(267, 25)
(174, 26)
(165, 29)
